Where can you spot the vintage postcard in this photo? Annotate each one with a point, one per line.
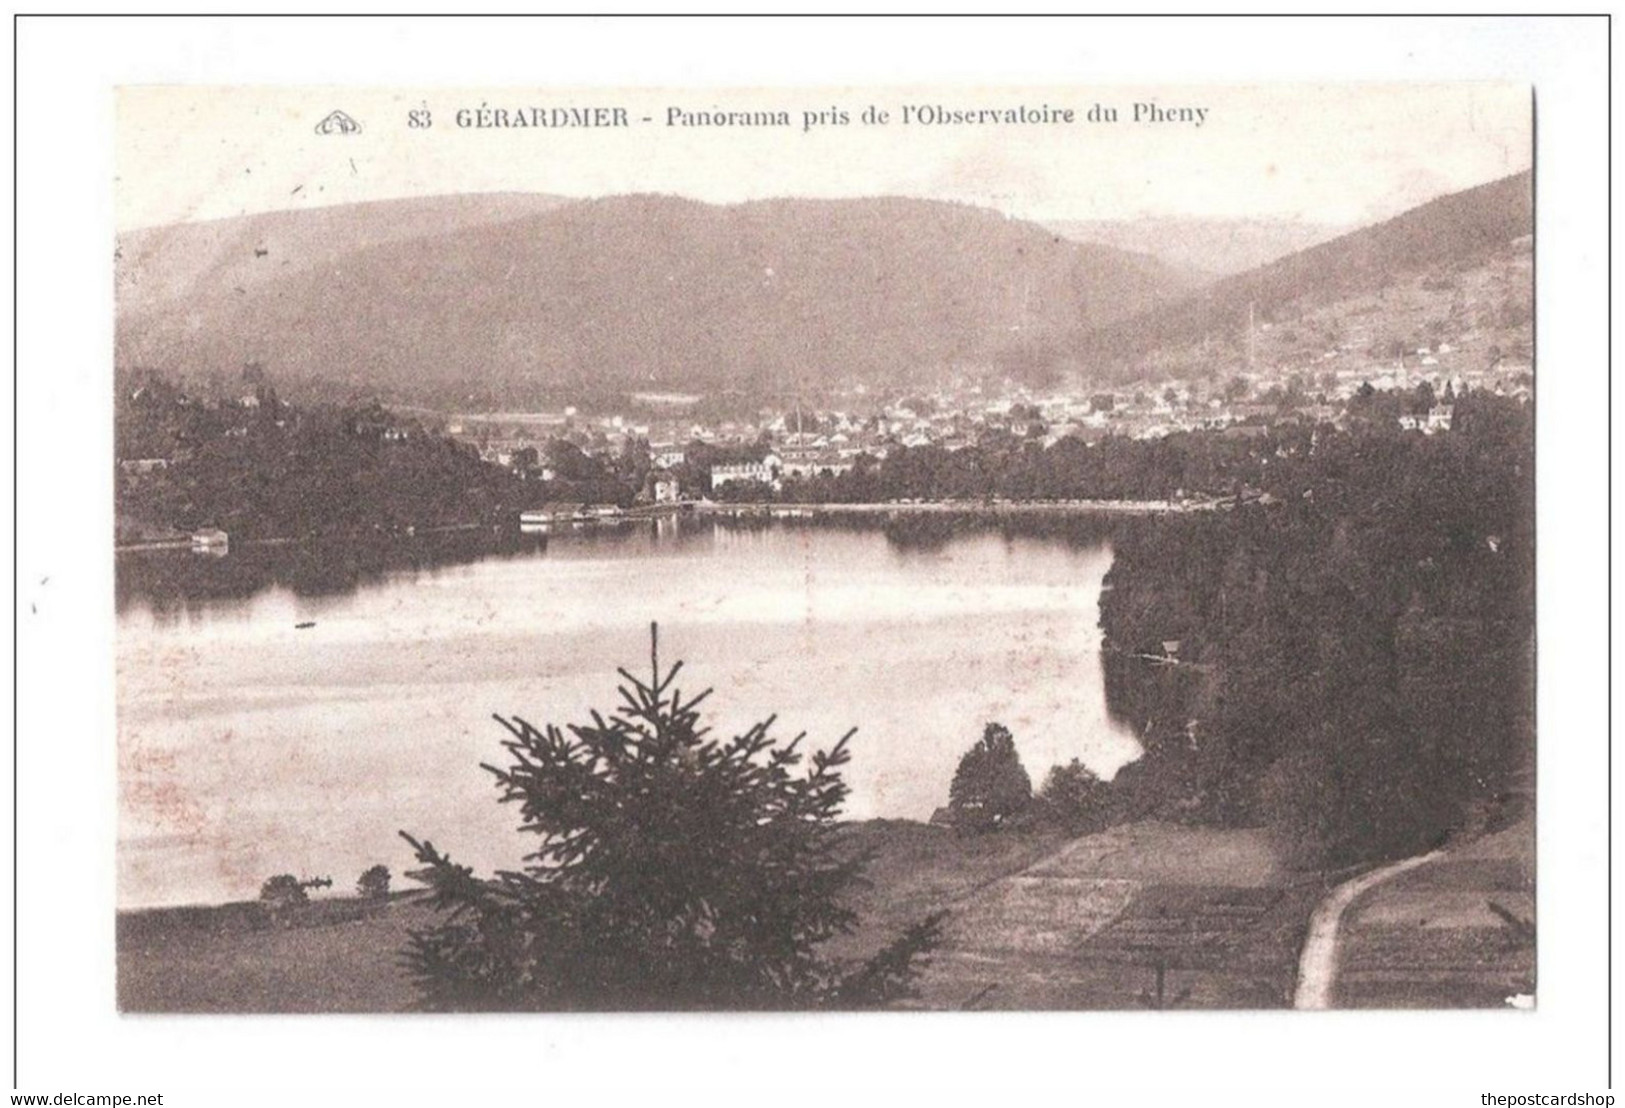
(846, 548)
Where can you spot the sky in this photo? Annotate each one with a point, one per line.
(1338, 154)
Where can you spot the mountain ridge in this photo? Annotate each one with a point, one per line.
(648, 290)
(524, 299)
(1459, 230)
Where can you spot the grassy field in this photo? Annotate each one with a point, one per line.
(339, 954)
(330, 956)
(1037, 921)
(1145, 915)
(1455, 933)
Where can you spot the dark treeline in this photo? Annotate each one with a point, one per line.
(261, 468)
(1351, 665)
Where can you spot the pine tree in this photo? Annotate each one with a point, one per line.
(673, 870)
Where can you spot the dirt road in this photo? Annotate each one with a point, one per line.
(1317, 967)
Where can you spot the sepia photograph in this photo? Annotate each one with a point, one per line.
(929, 549)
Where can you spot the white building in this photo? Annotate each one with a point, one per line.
(210, 541)
(766, 471)
(810, 463)
(1437, 419)
(666, 457)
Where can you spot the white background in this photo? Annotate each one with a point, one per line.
(71, 1037)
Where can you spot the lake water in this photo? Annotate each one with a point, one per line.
(250, 747)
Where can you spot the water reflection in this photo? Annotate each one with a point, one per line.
(174, 583)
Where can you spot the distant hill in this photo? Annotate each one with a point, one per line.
(160, 264)
(1206, 248)
(1459, 257)
(644, 292)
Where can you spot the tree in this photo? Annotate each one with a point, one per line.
(990, 785)
(1332, 804)
(373, 884)
(1356, 669)
(285, 890)
(672, 870)
(282, 890)
(1075, 797)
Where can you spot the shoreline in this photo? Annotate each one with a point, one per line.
(967, 507)
(776, 508)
